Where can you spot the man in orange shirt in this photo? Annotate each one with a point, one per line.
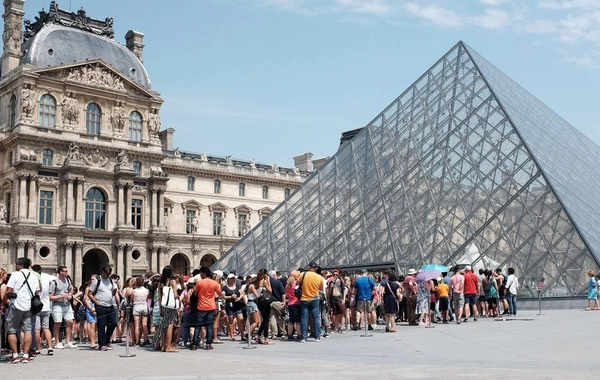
(207, 291)
(312, 283)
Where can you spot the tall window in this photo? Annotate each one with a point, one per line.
(242, 191)
(46, 204)
(217, 186)
(137, 168)
(95, 210)
(136, 213)
(92, 119)
(190, 183)
(47, 111)
(242, 224)
(191, 223)
(135, 126)
(217, 223)
(13, 112)
(265, 192)
(47, 157)
(286, 193)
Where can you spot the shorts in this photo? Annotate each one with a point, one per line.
(42, 320)
(294, 312)
(482, 298)
(458, 300)
(18, 320)
(62, 311)
(252, 307)
(338, 308)
(140, 309)
(471, 299)
(444, 303)
(368, 304)
(492, 302)
(502, 292)
(231, 312)
(89, 317)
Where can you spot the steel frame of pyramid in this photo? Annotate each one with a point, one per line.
(465, 161)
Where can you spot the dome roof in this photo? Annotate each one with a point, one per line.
(56, 45)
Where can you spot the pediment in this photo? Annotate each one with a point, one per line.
(243, 209)
(95, 73)
(191, 204)
(218, 206)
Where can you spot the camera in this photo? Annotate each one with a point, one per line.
(11, 295)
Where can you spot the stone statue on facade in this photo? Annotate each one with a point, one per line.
(154, 122)
(28, 100)
(70, 109)
(118, 118)
(177, 153)
(296, 171)
(228, 160)
(275, 168)
(2, 212)
(11, 35)
(123, 160)
(253, 163)
(194, 224)
(203, 157)
(73, 154)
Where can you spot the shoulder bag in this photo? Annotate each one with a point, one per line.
(298, 289)
(168, 299)
(36, 302)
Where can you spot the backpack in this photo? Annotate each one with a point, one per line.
(98, 280)
(194, 302)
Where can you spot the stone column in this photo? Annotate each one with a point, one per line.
(161, 257)
(120, 262)
(128, 205)
(153, 205)
(161, 207)
(153, 258)
(32, 197)
(79, 204)
(68, 258)
(30, 249)
(20, 248)
(22, 197)
(12, 36)
(120, 204)
(128, 261)
(77, 267)
(69, 200)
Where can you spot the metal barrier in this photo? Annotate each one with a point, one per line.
(128, 310)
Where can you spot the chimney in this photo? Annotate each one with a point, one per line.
(13, 35)
(304, 162)
(135, 42)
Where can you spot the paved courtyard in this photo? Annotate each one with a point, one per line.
(558, 344)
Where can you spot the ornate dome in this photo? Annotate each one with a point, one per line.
(56, 44)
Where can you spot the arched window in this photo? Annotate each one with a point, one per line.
(95, 210)
(47, 157)
(92, 119)
(13, 112)
(135, 126)
(265, 192)
(190, 183)
(137, 168)
(217, 186)
(47, 111)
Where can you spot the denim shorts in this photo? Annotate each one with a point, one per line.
(252, 307)
(471, 299)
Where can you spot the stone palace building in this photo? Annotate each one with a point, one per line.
(88, 176)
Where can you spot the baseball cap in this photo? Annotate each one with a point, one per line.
(412, 271)
(312, 264)
(230, 275)
(468, 268)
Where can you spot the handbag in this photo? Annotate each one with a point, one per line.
(36, 302)
(168, 299)
(298, 289)
(266, 297)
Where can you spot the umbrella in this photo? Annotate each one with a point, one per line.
(439, 267)
(426, 275)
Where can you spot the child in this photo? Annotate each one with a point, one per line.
(442, 292)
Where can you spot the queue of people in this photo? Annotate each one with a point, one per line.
(169, 311)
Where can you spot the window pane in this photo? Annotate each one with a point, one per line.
(136, 213)
(191, 223)
(47, 111)
(217, 223)
(242, 189)
(135, 126)
(46, 204)
(95, 209)
(217, 187)
(92, 119)
(190, 184)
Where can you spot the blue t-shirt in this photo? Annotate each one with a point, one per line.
(364, 288)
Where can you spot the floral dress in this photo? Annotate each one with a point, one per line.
(422, 298)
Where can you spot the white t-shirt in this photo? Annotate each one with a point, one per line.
(45, 292)
(104, 294)
(17, 283)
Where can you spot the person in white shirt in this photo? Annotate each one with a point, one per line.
(42, 324)
(21, 287)
(512, 285)
(61, 294)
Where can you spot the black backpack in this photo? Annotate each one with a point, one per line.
(194, 302)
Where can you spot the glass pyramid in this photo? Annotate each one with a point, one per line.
(464, 167)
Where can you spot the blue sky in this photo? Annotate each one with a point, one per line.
(271, 79)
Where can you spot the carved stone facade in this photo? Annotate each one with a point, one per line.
(90, 179)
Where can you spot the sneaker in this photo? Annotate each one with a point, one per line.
(370, 327)
(70, 345)
(14, 359)
(302, 340)
(317, 339)
(109, 347)
(103, 348)
(50, 352)
(325, 335)
(59, 346)
(26, 359)
(193, 347)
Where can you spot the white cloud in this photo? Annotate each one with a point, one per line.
(569, 4)
(434, 14)
(493, 3)
(493, 19)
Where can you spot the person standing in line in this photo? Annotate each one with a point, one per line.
(276, 315)
(457, 284)
(61, 294)
(18, 319)
(42, 324)
(365, 307)
(309, 302)
(512, 286)
(208, 290)
(102, 292)
(471, 290)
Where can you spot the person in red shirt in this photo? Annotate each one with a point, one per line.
(207, 291)
(472, 288)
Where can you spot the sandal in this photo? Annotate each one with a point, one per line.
(392, 330)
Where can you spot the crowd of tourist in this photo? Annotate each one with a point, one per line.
(171, 311)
